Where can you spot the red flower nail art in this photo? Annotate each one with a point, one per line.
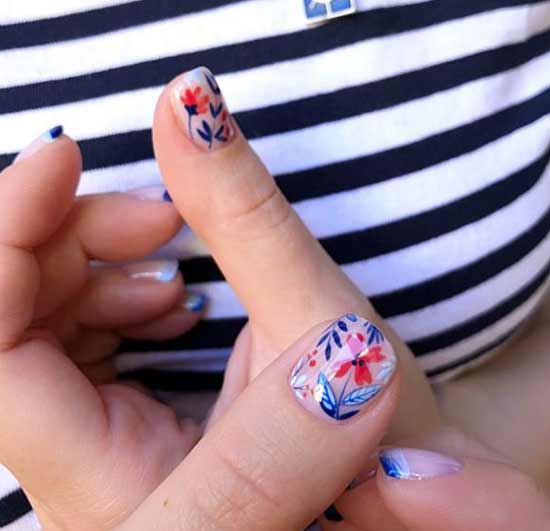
(203, 112)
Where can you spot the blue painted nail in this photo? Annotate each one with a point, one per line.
(194, 302)
(53, 133)
(333, 515)
(167, 197)
(38, 143)
(409, 463)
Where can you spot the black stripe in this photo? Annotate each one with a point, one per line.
(13, 506)
(95, 21)
(134, 146)
(241, 56)
(474, 355)
(383, 239)
(222, 334)
(445, 339)
(391, 91)
(176, 380)
(219, 333)
(455, 282)
(402, 160)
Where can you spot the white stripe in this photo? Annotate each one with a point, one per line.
(485, 337)
(7, 482)
(14, 11)
(372, 60)
(411, 194)
(388, 128)
(401, 124)
(417, 192)
(474, 302)
(231, 24)
(426, 260)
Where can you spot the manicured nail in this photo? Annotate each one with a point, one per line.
(201, 109)
(194, 302)
(159, 270)
(407, 463)
(38, 143)
(344, 370)
(333, 515)
(150, 193)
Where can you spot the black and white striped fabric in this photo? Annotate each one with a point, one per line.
(413, 138)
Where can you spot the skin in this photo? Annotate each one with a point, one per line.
(515, 381)
(128, 476)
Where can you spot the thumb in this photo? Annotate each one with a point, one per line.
(280, 454)
(429, 491)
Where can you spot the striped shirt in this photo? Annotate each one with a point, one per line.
(413, 138)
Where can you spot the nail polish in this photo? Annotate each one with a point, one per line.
(49, 136)
(159, 270)
(344, 370)
(194, 302)
(201, 110)
(332, 515)
(150, 193)
(408, 463)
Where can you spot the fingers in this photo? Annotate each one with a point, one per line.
(36, 194)
(298, 428)
(459, 494)
(464, 488)
(227, 195)
(126, 218)
(280, 273)
(170, 325)
(133, 294)
(110, 227)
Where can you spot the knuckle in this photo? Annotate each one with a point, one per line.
(235, 498)
(252, 204)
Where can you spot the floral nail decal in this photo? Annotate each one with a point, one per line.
(347, 367)
(199, 104)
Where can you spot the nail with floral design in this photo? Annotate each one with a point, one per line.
(200, 108)
(346, 368)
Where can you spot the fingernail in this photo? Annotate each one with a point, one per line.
(150, 193)
(37, 144)
(159, 270)
(201, 110)
(407, 463)
(194, 302)
(344, 370)
(333, 515)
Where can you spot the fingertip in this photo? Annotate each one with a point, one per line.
(38, 190)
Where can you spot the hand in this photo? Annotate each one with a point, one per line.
(456, 485)
(280, 273)
(269, 463)
(74, 443)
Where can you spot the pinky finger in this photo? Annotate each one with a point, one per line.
(170, 325)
